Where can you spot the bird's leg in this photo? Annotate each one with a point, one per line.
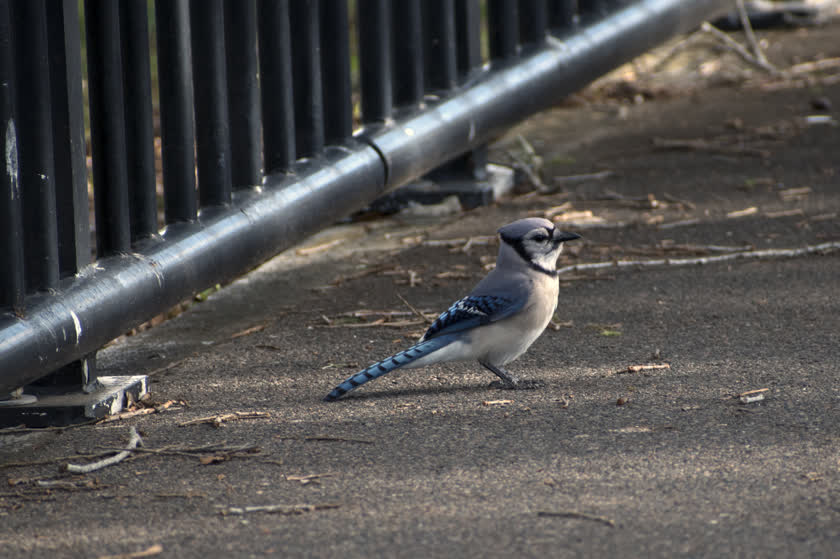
(509, 382)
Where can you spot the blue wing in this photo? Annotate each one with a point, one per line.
(473, 311)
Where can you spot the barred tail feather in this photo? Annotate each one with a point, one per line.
(396, 361)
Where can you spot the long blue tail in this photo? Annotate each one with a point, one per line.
(387, 365)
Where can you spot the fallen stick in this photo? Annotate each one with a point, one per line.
(746, 255)
(638, 368)
(217, 420)
(414, 310)
(579, 515)
(133, 442)
(151, 551)
(699, 144)
(737, 48)
(278, 509)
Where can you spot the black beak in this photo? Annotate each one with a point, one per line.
(563, 236)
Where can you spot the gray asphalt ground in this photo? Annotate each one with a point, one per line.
(433, 462)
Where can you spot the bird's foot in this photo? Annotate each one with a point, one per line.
(527, 384)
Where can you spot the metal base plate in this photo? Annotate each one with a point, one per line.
(110, 397)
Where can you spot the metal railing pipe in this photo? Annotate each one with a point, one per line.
(415, 145)
(121, 291)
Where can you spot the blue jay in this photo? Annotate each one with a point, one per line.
(499, 319)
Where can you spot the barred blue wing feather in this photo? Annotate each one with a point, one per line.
(473, 311)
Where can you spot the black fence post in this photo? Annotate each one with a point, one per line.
(36, 170)
(276, 84)
(306, 76)
(139, 125)
(243, 92)
(373, 26)
(335, 58)
(562, 14)
(175, 83)
(107, 127)
(12, 282)
(212, 122)
(408, 60)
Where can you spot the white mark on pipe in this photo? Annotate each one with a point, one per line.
(78, 326)
(12, 158)
(472, 131)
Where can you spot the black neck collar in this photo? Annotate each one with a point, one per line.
(519, 247)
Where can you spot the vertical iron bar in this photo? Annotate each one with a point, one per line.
(503, 28)
(468, 24)
(243, 92)
(593, 8)
(33, 122)
(440, 48)
(533, 21)
(306, 77)
(176, 110)
(71, 189)
(107, 127)
(276, 84)
(373, 25)
(561, 14)
(139, 124)
(408, 68)
(335, 56)
(211, 109)
(12, 286)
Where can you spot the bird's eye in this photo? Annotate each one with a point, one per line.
(540, 237)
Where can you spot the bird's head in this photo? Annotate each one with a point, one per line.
(536, 241)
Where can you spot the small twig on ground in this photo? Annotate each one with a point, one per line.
(751, 396)
(699, 144)
(249, 331)
(462, 243)
(306, 251)
(150, 551)
(822, 248)
(218, 420)
(414, 310)
(319, 438)
(638, 368)
(310, 478)
(738, 49)
(748, 32)
(579, 515)
(752, 210)
(278, 509)
(166, 367)
(133, 442)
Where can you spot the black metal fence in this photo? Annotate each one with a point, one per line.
(259, 142)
